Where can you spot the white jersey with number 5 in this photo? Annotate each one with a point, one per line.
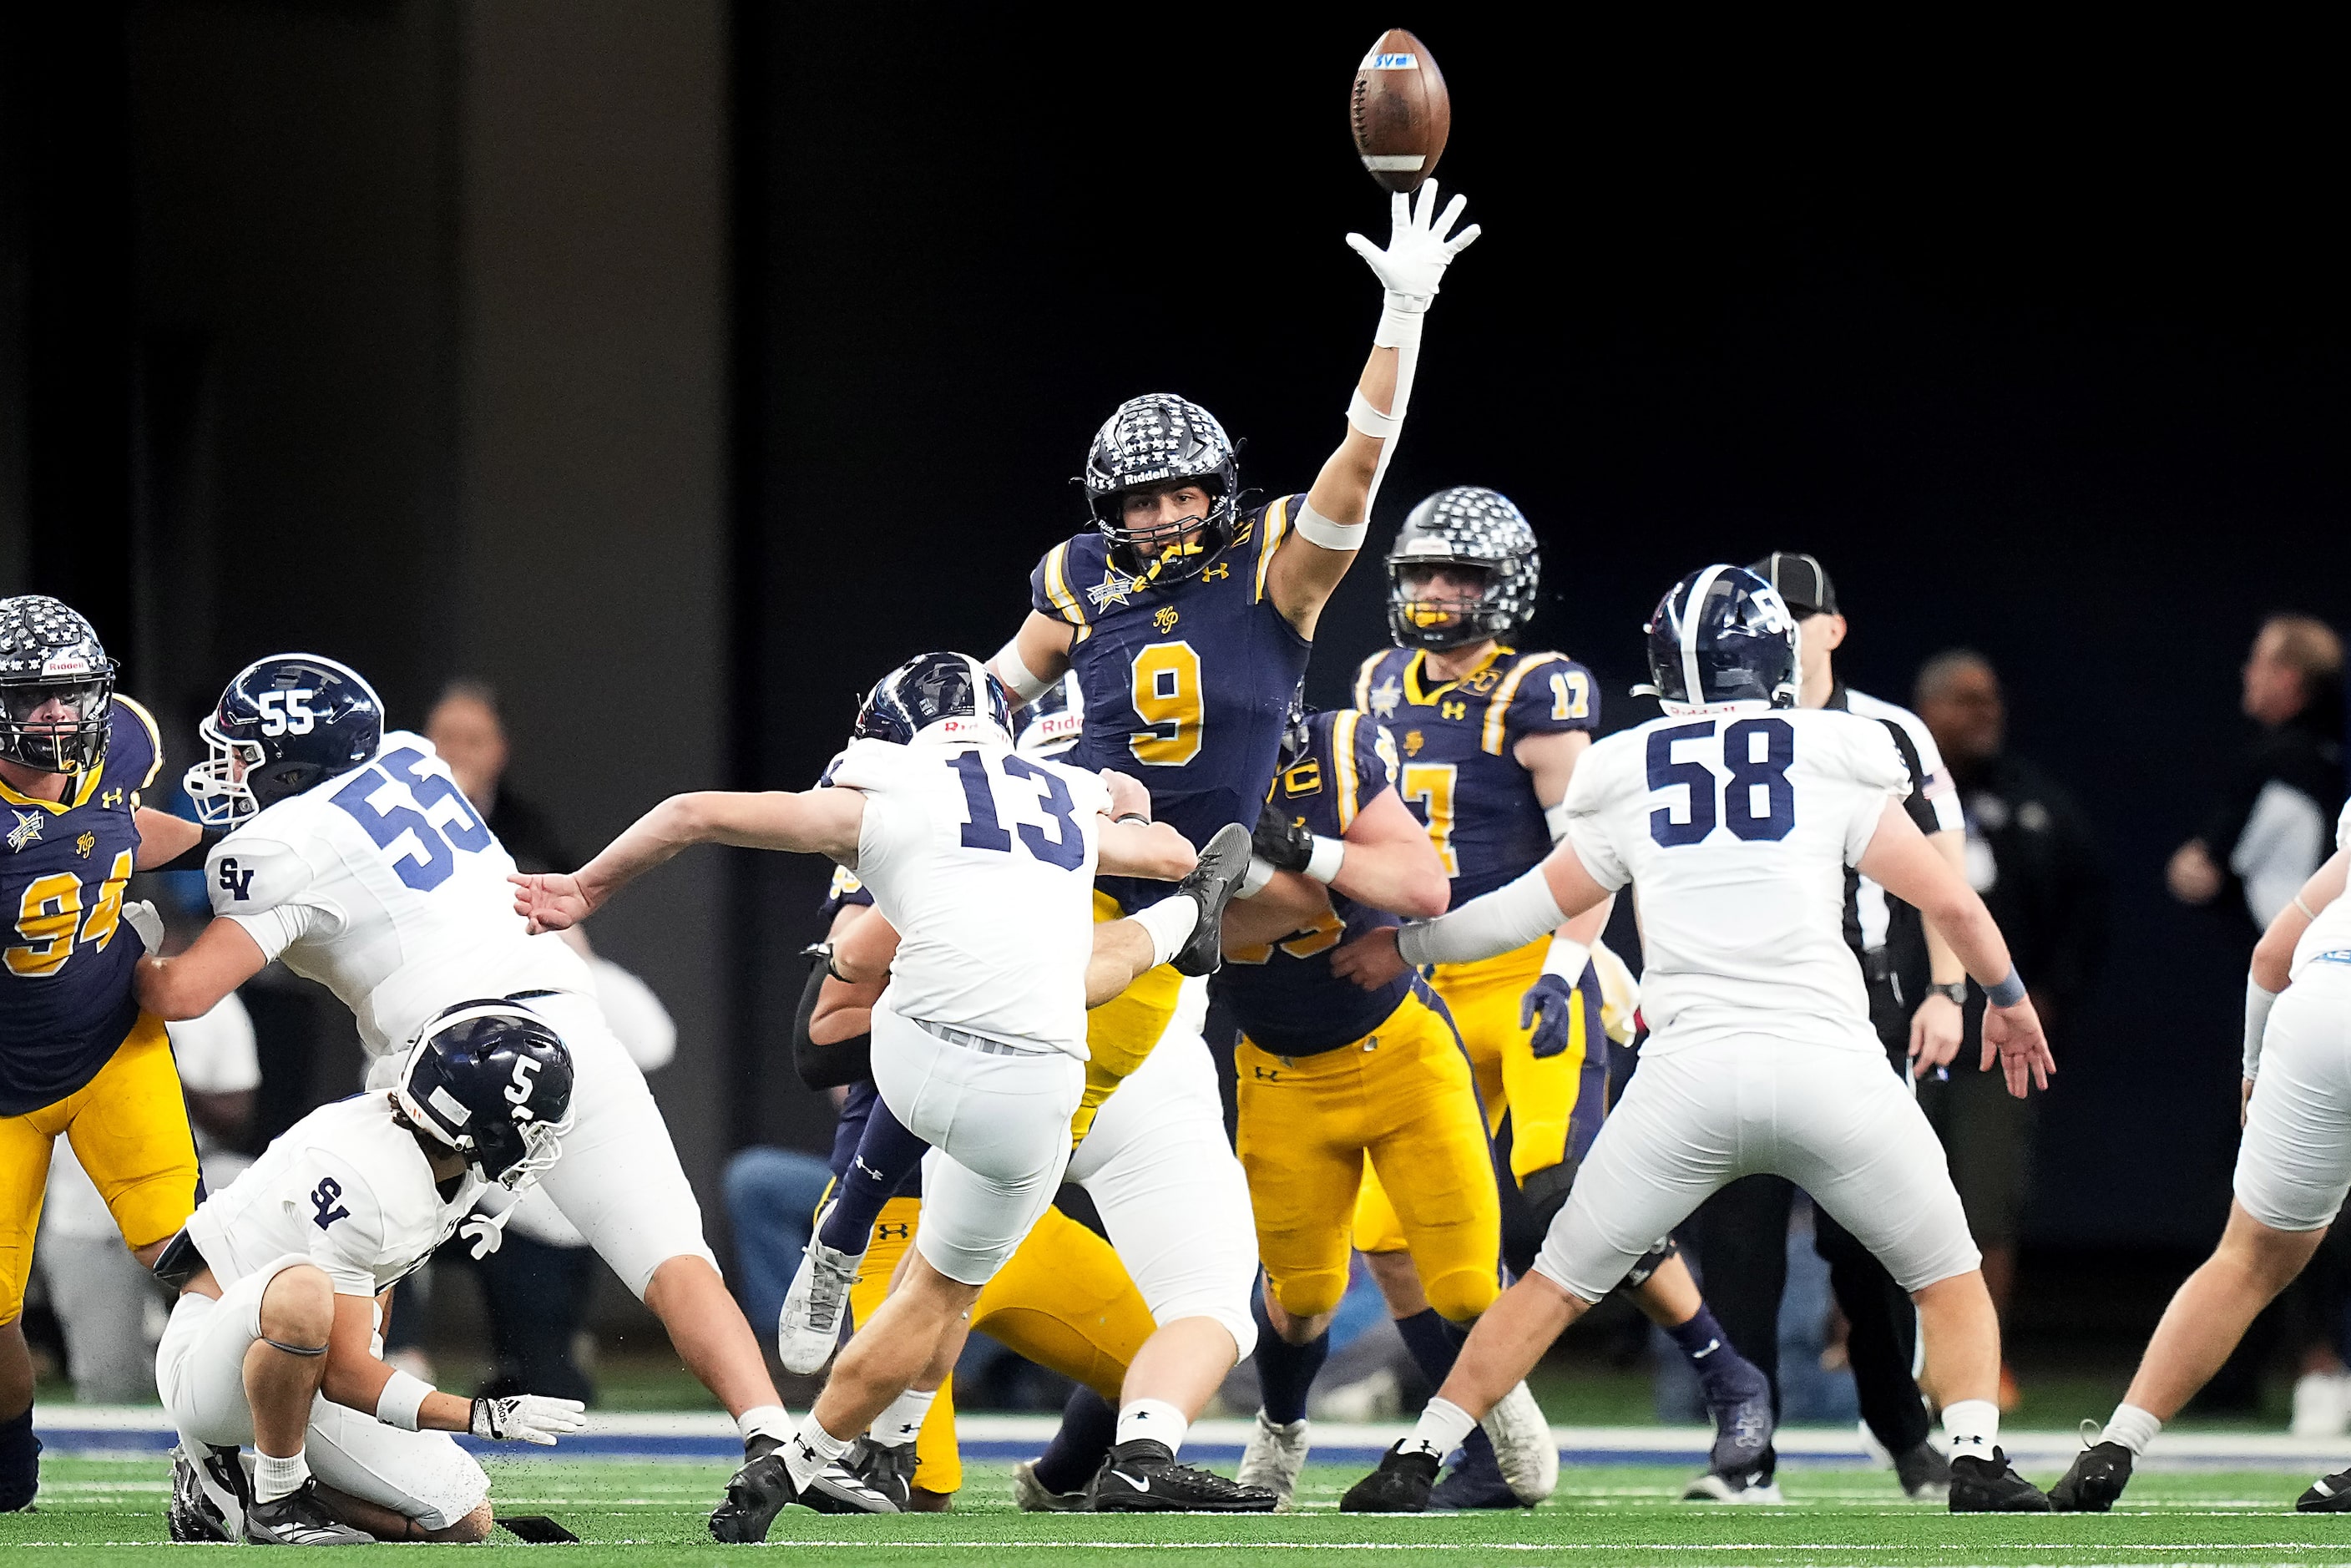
(384, 886)
(1736, 830)
(984, 861)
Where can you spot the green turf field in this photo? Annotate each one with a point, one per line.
(109, 1512)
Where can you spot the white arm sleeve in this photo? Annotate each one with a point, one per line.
(1017, 678)
(2258, 1003)
(1509, 917)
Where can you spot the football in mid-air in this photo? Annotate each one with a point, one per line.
(1399, 113)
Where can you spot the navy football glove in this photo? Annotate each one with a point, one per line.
(1280, 842)
(1549, 1009)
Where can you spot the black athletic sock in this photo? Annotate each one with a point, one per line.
(1433, 1343)
(886, 1155)
(1284, 1371)
(20, 1462)
(1723, 1373)
(1089, 1423)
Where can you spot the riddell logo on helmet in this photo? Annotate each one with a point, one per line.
(65, 664)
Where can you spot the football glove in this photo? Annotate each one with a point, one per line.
(1417, 253)
(526, 1419)
(1549, 1009)
(1280, 842)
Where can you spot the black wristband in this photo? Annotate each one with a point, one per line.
(1132, 817)
(194, 857)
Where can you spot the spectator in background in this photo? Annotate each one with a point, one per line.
(465, 730)
(2031, 854)
(2274, 822)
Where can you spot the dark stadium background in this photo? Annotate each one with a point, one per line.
(678, 367)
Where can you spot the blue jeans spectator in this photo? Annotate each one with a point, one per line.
(771, 1198)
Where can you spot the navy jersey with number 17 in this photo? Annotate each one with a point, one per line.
(1187, 684)
(1459, 738)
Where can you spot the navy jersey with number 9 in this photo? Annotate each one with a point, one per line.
(1185, 683)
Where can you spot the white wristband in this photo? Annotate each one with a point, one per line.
(1017, 678)
(1315, 528)
(1400, 321)
(2258, 1003)
(1323, 865)
(401, 1400)
(1555, 819)
(1509, 917)
(1369, 420)
(1567, 958)
(1253, 880)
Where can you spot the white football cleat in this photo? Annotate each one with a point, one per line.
(1033, 1496)
(1276, 1453)
(1524, 1446)
(2322, 1405)
(809, 1328)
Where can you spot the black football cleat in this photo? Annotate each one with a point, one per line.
(1475, 1481)
(761, 1490)
(2094, 1480)
(209, 1496)
(1924, 1472)
(299, 1519)
(1401, 1485)
(2327, 1494)
(1224, 860)
(868, 1479)
(1143, 1476)
(1990, 1486)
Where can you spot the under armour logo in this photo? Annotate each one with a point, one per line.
(323, 1198)
(1222, 569)
(234, 881)
(110, 800)
(1453, 708)
(1269, 1074)
(892, 1232)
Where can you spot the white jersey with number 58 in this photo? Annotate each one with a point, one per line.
(984, 861)
(1735, 829)
(384, 886)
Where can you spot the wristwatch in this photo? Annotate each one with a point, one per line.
(1956, 990)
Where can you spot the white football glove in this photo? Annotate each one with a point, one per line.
(141, 916)
(1414, 264)
(526, 1419)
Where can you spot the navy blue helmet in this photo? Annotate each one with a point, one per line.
(1154, 441)
(57, 687)
(492, 1081)
(1467, 526)
(286, 724)
(1721, 635)
(952, 690)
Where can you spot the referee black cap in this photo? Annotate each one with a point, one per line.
(1802, 581)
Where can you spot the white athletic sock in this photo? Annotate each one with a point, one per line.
(1974, 1428)
(1154, 1418)
(1442, 1426)
(1168, 923)
(811, 1448)
(273, 1478)
(2133, 1427)
(898, 1424)
(765, 1421)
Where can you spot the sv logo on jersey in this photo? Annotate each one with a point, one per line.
(235, 881)
(526, 1079)
(323, 1198)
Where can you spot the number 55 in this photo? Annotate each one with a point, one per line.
(287, 712)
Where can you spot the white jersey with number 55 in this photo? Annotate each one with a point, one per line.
(1735, 829)
(984, 861)
(385, 885)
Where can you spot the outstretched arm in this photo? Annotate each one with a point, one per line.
(1309, 564)
(813, 821)
(217, 962)
(1901, 860)
(1510, 917)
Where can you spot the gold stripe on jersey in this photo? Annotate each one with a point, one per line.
(154, 743)
(85, 786)
(1343, 754)
(1277, 524)
(1498, 707)
(1056, 589)
(1363, 679)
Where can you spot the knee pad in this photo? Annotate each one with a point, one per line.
(1546, 1190)
(20, 1463)
(1307, 1295)
(1649, 1262)
(1459, 1297)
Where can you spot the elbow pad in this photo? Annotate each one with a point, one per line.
(830, 1066)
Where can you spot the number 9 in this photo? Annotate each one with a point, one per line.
(1167, 700)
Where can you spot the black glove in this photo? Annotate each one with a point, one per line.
(826, 1066)
(1280, 842)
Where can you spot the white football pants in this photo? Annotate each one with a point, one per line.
(2293, 1167)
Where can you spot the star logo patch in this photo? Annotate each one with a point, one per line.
(1384, 697)
(1112, 589)
(27, 829)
